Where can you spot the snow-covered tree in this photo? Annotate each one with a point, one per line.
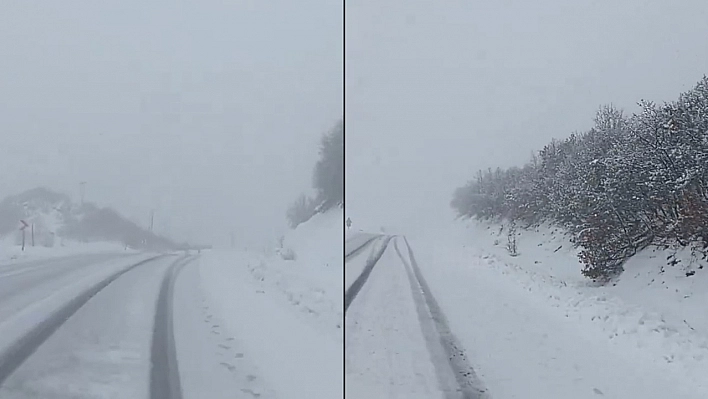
(623, 185)
(328, 177)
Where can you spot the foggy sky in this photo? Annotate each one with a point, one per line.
(210, 112)
(437, 90)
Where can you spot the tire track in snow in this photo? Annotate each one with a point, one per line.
(444, 373)
(348, 256)
(468, 385)
(15, 355)
(354, 289)
(164, 370)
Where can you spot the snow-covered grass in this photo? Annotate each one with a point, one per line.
(653, 313)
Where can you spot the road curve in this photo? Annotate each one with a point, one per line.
(15, 355)
(349, 253)
(352, 291)
(164, 370)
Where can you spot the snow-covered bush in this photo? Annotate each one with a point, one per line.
(627, 183)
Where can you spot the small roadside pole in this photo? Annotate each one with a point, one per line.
(33, 234)
(24, 226)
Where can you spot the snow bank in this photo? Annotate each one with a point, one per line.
(287, 313)
(654, 312)
(265, 306)
(312, 282)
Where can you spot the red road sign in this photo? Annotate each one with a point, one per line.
(24, 225)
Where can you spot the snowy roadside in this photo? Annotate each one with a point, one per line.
(213, 360)
(13, 254)
(638, 317)
(312, 282)
(286, 306)
(298, 358)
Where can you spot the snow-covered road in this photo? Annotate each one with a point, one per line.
(429, 314)
(397, 342)
(358, 242)
(24, 283)
(101, 350)
(115, 326)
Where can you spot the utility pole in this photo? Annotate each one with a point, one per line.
(152, 220)
(83, 191)
(23, 228)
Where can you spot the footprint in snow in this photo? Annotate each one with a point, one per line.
(254, 394)
(231, 367)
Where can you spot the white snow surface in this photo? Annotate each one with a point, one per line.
(103, 350)
(29, 307)
(11, 253)
(312, 283)
(356, 264)
(352, 241)
(213, 362)
(287, 314)
(534, 327)
(386, 354)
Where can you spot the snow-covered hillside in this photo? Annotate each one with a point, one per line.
(674, 282)
(54, 221)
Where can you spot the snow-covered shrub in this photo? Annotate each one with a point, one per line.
(288, 254)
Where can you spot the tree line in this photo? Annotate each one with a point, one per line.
(327, 179)
(628, 183)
